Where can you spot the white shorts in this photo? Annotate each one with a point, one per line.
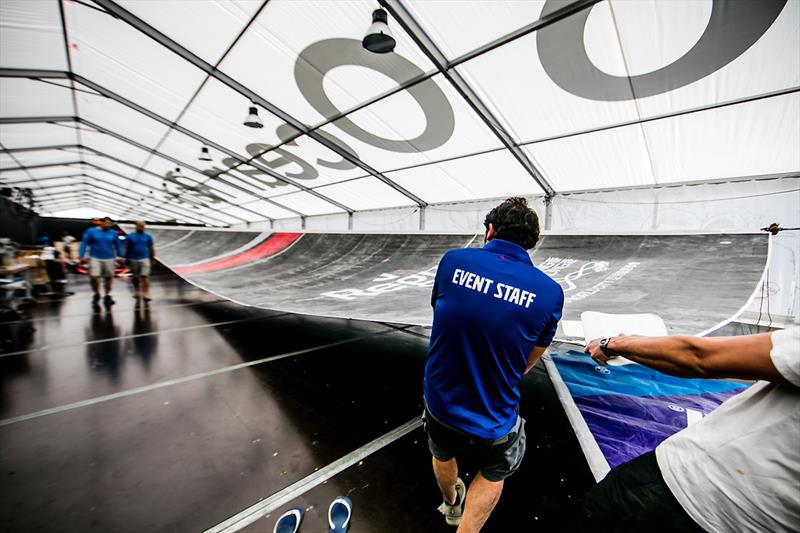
(101, 268)
(139, 267)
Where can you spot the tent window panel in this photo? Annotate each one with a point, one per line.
(269, 210)
(745, 140)
(609, 158)
(492, 175)
(365, 193)
(307, 203)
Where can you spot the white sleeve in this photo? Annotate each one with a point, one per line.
(785, 354)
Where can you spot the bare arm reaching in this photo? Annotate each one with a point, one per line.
(746, 357)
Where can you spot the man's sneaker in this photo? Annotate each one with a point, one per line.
(289, 522)
(96, 300)
(452, 513)
(339, 514)
(108, 301)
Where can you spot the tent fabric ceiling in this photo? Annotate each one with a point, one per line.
(108, 102)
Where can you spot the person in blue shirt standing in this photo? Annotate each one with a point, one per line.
(104, 249)
(140, 251)
(494, 314)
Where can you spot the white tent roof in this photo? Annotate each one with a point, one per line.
(101, 101)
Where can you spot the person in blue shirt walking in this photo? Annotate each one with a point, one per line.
(494, 314)
(104, 249)
(140, 252)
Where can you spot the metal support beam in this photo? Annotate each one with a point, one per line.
(84, 193)
(126, 163)
(14, 120)
(173, 209)
(350, 221)
(404, 18)
(39, 148)
(34, 120)
(548, 213)
(187, 166)
(121, 13)
(422, 218)
(118, 194)
(543, 22)
(113, 195)
(43, 165)
(21, 183)
(195, 216)
(33, 73)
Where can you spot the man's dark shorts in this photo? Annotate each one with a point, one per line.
(498, 458)
(633, 497)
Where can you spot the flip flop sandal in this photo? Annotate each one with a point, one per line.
(339, 514)
(289, 522)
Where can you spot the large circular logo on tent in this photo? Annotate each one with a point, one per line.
(323, 56)
(734, 26)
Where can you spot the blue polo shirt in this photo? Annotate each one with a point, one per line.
(103, 244)
(491, 306)
(137, 245)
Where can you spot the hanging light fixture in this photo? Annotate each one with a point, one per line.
(253, 120)
(204, 154)
(379, 39)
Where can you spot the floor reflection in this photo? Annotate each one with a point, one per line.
(104, 357)
(145, 345)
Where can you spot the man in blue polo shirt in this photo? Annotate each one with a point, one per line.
(494, 315)
(139, 252)
(104, 248)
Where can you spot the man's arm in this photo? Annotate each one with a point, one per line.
(746, 357)
(547, 337)
(536, 353)
(84, 243)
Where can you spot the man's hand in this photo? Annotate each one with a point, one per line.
(84, 260)
(596, 353)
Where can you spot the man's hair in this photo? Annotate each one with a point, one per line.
(514, 221)
(107, 218)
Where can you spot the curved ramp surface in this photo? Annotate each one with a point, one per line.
(200, 245)
(694, 282)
